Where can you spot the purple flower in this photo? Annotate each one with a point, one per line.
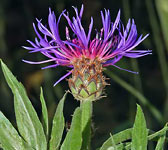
(113, 42)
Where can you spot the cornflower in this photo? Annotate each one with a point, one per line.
(86, 57)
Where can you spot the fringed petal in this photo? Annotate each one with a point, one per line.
(62, 78)
(126, 70)
(50, 66)
(40, 62)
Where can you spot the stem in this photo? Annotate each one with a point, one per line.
(160, 50)
(137, 94)
(161, 7)
(86, 107)
(134, 63)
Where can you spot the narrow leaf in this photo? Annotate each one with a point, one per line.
(139, 132)
(57, 125)
(44, 114)
(86, 108)
(158, 133)
(114, 147)
(9, 138)
(126, 135)
(73, 139)
(118, 138)
(161, 141)
(27, 120)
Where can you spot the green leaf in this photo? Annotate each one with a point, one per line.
(9, 138)
(28, 123)
(118, 138)
(73, 139)
(113, 147)
(161, 141)
(86, 108)
(139, 132)
(126, 135)
(158, 133)
(57, 126)
(44, 114)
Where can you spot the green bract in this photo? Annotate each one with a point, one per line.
(33, 135)
(87, 82)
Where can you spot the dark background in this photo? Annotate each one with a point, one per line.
(114, 113)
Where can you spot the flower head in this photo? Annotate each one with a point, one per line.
(86, 57)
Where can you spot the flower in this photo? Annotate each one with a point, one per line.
(86, 57)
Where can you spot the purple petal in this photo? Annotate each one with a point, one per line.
(40, 62)
(137, 53)
(81, 11)
(43, 49)
(70, 43)
(112, 61)
(77, 27)
(62, 78)
(51, 66)
(90, 29)
(116, 22)
(34, 45)
(125, 70)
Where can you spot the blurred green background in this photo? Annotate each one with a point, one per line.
(115, 112)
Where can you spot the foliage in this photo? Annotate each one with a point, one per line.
(32, 135)
(116, 111)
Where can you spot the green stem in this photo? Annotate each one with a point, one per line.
(160, 49)
(134, 63)
(137, 94)
(161, 7)
(86, 107)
